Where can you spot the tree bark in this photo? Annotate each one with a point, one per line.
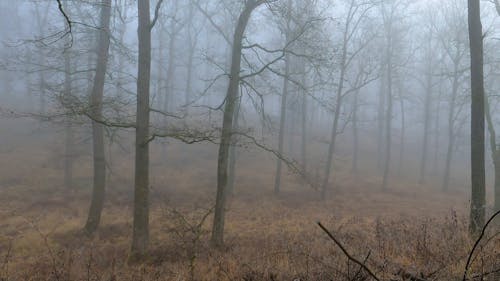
(495, 153)
(140, 236)
(94, 216)
(217, 238)
(233, 150)
(477, 210)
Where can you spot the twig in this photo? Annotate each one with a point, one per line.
(477, 243)
(347, 253)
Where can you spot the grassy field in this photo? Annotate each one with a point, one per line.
(407, 228)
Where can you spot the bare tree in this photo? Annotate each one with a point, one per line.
(99, 160)
(140, 236)
(428, 88)
(217, 238)
(454, 45)
(351, 46)
(477, 210)
(284, 95)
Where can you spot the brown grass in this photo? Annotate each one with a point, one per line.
(407, 227)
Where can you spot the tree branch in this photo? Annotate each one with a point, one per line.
(347, 253)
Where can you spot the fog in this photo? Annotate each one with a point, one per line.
(201, 136)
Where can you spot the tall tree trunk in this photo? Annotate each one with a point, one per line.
(381, 113)
(191, 43)
(477, 211)
(68, 129)
(388, 118)
(355, 133)
(451, 131)
(159, 82)
(427, 122)
(233, 150)
(140, 235)
(303, 144)
(336, 117)
(171, 68)
(437, 149)
(283, 108)
(495, 153)
(281, 134)
(94, 216)
(496, 163)
(403, 131)
(217, 238)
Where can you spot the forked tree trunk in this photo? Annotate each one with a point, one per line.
(94, 216)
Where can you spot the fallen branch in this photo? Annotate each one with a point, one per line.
(347, 253)
(467, 265)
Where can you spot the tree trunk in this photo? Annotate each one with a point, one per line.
(159, 82)
(495, 153)
(403, 129)
(68, 130)
(355, 134)
(233, 150)
(303, 144)
(451, 133)
(496, 163)
(388, 117)
(427, 121)
(217, 238)
(381, 117)
(191, 43)
(283, 109)
(97, 202)
(437, 149)
(477, 211)
(169, 83)
(338, 107)
(140, 236)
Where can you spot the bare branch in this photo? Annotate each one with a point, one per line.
(157, 14)
(347, 253)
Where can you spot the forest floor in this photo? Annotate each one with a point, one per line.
(408, 228)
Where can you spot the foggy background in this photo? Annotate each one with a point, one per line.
(190, 62)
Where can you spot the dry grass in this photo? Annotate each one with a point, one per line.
(267, 238)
